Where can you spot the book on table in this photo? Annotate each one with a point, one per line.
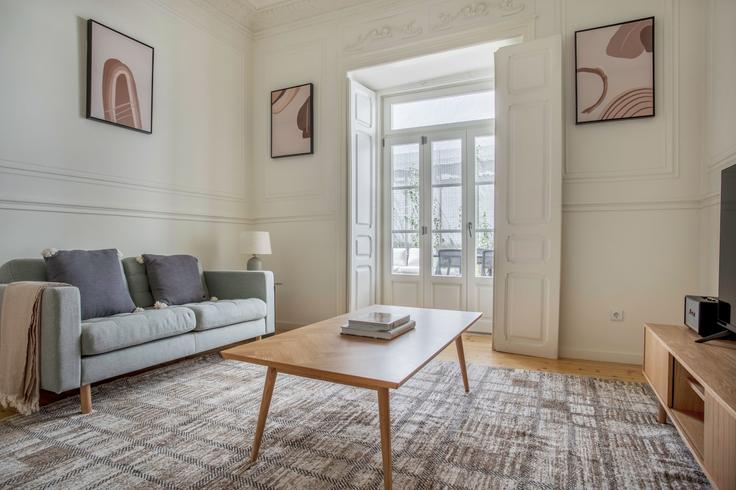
(377, 320)
(379, 334)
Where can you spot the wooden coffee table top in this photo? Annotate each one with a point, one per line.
(319, 350)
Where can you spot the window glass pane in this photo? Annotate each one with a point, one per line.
(443, 110)
(484, 196)
(405, 209)
(405, 253)
(405, 165)
(447, 208)
(447, 162)
(485, 146)
(447, 254)
(484, 254)
(484, 207)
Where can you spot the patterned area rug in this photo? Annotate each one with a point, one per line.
(190, 425)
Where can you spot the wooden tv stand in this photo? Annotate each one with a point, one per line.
(696, 388)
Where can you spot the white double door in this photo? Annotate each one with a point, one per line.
(439, 215)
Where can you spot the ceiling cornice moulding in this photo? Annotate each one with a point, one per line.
(260, 15)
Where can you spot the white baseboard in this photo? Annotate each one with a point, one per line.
(601, 355)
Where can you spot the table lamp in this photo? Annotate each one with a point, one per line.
(255, 243)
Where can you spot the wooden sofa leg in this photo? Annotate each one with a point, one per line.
(85, 395)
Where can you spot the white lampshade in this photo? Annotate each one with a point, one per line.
(255, 242)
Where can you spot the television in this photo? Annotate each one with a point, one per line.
(727, 260)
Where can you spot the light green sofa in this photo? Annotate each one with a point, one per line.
(76, 353)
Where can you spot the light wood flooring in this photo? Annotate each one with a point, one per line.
(478, 351)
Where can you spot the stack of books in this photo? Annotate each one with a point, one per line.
(378, 325)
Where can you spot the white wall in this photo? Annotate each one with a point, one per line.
(69, 182)
(719, 132)
(631, 199)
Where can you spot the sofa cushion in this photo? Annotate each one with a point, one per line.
(100, 335)
(214, 314)
(174, 279)
(135, 273)
(99, 277)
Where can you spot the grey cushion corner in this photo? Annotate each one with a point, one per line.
(175, 279)
(107, 334)
(216, 314)
(98, 274)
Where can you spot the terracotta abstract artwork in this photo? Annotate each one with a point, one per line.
(614, 71)
(119, 78)
(292, 121)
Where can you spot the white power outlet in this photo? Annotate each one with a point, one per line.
(616, 315)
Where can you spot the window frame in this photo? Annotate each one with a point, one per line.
(426, 94)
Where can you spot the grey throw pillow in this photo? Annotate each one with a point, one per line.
(99, 277)
(174, 279)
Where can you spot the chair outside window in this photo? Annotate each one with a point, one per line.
(448, 259)
(487, 263)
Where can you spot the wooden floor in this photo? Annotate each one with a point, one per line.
(478, 351)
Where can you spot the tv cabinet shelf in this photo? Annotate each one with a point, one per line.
(696, 387)
(692, 426)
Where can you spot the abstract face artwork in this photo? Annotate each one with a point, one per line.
(119, 78)
(292, 121)
(614, 71)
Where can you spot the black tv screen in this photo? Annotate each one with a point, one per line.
(727, 261)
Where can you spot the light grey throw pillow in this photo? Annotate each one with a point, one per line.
(174, 279)
(99, 277)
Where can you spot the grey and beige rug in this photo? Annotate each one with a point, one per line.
(190, 425)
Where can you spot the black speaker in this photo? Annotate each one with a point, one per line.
(701, 314)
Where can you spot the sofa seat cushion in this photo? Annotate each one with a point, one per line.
(107, 334)
(214, 314)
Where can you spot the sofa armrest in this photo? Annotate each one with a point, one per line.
(243, 285)
(60, 360)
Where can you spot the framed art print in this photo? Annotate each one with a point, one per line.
(614, 71)
(292, 121)
(119, 78)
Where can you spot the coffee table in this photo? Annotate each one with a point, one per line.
(320, 352)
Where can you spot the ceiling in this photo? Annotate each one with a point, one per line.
(476, 60)
(257, 15)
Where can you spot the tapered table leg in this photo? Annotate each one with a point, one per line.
(263, 413)
(385, 420)
(461, 359)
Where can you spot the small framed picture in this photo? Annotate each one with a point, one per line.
(292, 121)
(119, 78)
(614, 71)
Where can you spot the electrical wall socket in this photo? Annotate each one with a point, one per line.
(616, 315)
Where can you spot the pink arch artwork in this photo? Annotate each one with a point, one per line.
(119, 94)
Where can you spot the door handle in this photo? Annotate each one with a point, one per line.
(424, 230)
(470, 229)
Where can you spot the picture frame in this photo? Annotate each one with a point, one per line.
(119, 79)
(292, 121)
(615, 71)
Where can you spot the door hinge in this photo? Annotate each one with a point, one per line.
(424, 140)
(383, 142)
